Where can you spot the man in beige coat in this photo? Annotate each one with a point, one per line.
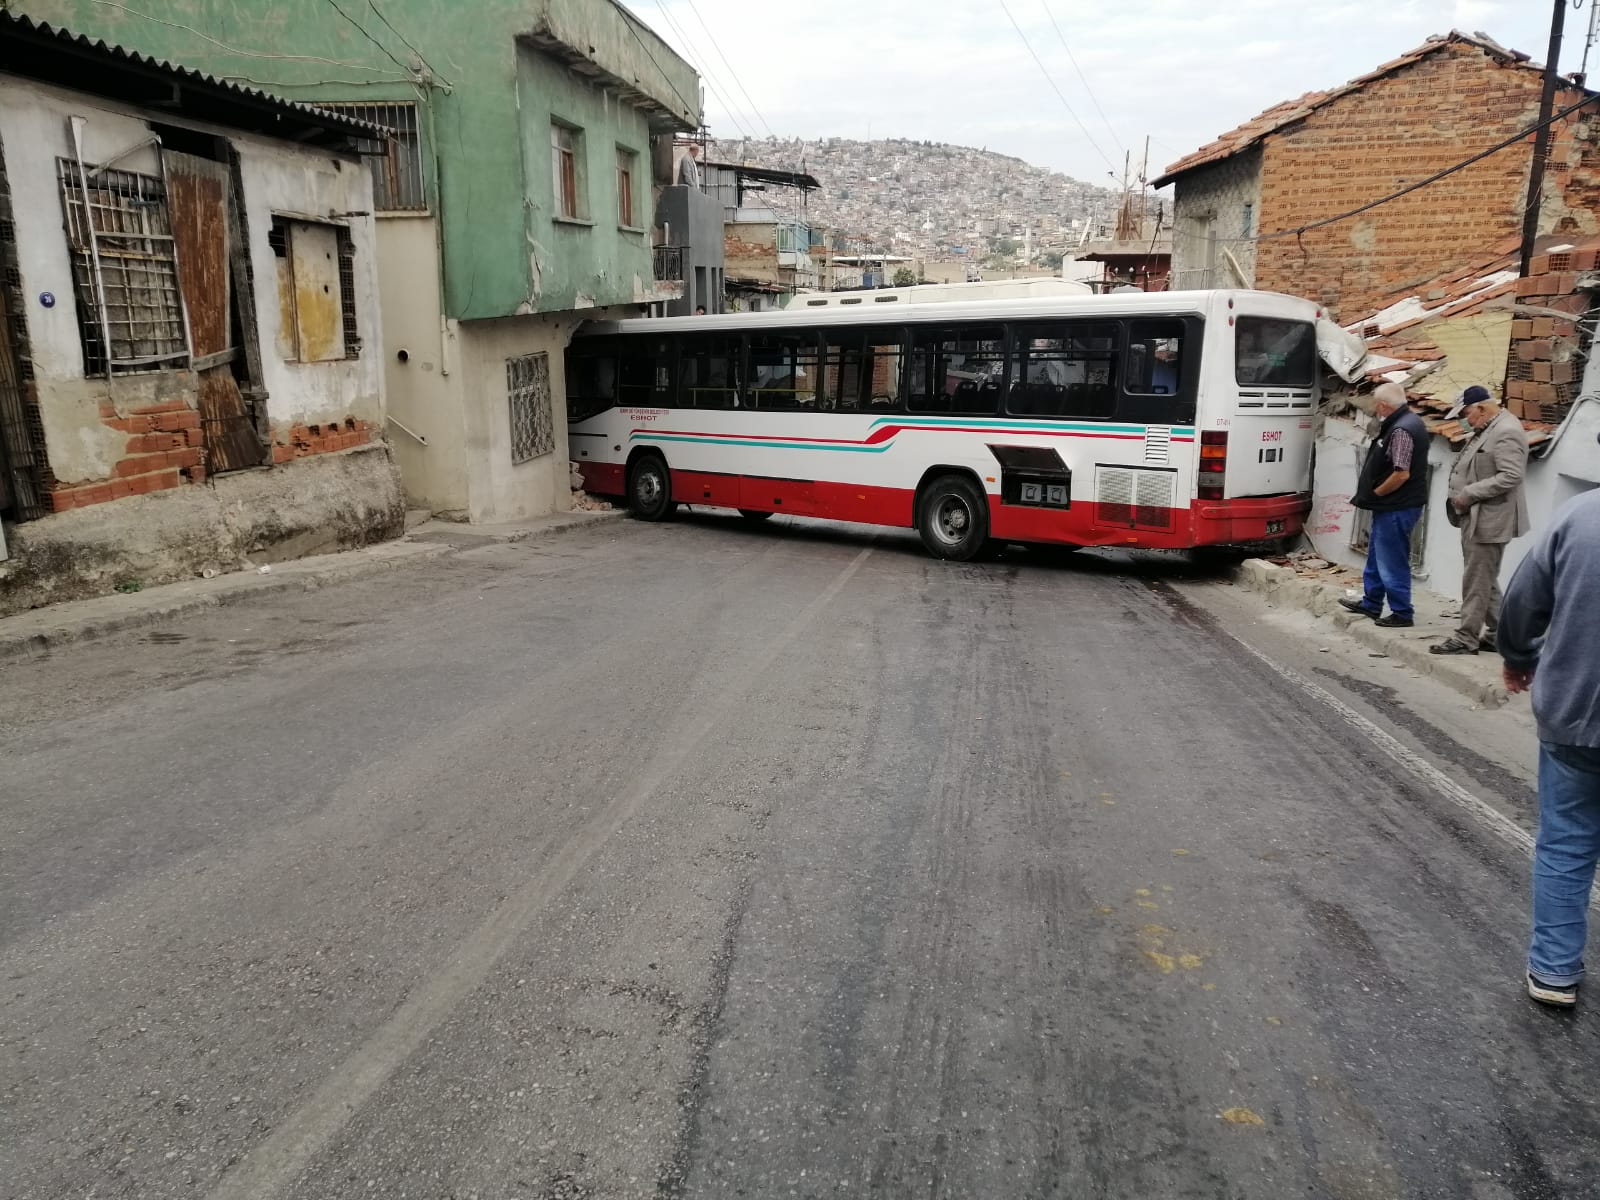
(1486, 503)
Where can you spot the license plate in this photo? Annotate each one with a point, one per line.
(1274, 526)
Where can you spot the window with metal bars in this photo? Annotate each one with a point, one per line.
(395, 161)
(124, 269)
(533, 431)
(347, 293)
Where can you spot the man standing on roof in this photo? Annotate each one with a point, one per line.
(1487, 505)
(1550, 639)
(1394, 487)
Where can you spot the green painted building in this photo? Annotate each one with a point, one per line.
(517, 197)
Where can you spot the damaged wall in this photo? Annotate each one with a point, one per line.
(142, 431)
(253, 517)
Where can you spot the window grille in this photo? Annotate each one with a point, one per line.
(347, 292)
(532, 423)
(395, 161)
(130, 312)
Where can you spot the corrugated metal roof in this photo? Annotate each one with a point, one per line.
(18, 30)
(1290, 111)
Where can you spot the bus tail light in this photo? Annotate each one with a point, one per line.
(1213, 463)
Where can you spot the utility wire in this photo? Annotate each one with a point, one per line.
(334, 4)
(372, 4)
(698, 62)
(332, 62)
(1073, 58)
(737, 81)
(1071, 112)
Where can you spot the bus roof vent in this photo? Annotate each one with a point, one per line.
(815, 303)
(851, 300)
(884, 299)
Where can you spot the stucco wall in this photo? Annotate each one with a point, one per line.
(694, 221)
(1216, 196)
(421, 391)
(280, 179)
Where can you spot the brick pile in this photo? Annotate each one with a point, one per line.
(1545, 365)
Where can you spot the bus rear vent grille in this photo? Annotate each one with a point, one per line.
(1134, 499)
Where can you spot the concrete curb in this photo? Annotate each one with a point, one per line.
(83, 620)
(1476, 677)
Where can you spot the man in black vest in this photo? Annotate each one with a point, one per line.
(1394, 488)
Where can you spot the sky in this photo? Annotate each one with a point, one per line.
(960, 71)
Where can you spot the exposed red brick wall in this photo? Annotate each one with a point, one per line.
(298, 441)
(163, 450)
(1389, 133)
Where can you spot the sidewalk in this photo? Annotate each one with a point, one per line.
(80, 620)
(1316, 586)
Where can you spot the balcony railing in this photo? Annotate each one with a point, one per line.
(669, 263)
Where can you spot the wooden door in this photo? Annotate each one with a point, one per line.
(199, 194)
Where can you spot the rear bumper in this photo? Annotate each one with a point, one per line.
(1248, 519)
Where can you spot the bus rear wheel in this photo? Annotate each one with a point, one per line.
(650, 489)
(953, 518)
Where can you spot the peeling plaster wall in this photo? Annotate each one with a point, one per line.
(592, 262)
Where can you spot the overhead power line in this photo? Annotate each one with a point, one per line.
(1082, 78)
(372, 4)
(734, 74)
(696, 61)
(334, 4)
(1048, 78)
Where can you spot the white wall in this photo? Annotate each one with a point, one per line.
(282, 179)
(1571, 466)
(423, 392)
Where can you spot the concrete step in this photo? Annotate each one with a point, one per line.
(417, 516)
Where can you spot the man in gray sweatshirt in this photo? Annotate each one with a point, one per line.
(1550, 640)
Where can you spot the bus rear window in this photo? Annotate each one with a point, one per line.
(1274, 352)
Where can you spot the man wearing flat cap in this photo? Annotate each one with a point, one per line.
(1486, 503)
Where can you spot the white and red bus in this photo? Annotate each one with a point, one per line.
(1164, 420)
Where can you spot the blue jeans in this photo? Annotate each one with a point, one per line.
(1564, 860)
(1388, 571)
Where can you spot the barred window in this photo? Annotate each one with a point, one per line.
(532, 423)
(124, 269)
(316, 291)
(395, 161)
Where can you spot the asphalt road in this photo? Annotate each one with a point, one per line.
(696, 861)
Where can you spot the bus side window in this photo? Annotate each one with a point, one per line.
(842, 375)
(706, 374)
(883, 369)
(1065, 370)
(957, 369)
(783, 372)
(1160, 371)
(644, 377)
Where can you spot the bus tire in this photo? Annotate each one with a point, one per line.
(650, 489)
(953, 518)
(754, 515)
